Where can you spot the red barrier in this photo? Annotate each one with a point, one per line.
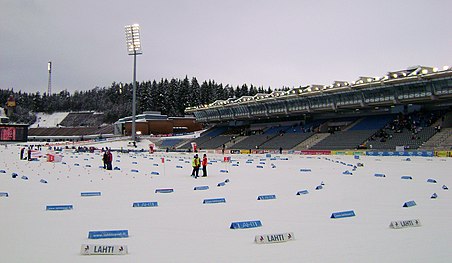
(314, 152)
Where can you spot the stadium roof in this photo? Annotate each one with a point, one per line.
(410, 74)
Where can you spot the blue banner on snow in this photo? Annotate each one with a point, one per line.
(266, 197)
(214, 201)
(343, 214)
(246, 224)
(108, 234)
(303, 192)
(204, 187)
(59, 207)
(145, 204)
(409, 204)
(90, 194)
(166, 190)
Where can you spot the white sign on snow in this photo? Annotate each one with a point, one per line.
(405, 223)
(274, 238)
(103, 250)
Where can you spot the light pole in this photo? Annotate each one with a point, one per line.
(134, 48)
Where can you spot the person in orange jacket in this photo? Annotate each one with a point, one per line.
(204, 165)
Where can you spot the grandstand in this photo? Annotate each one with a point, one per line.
(348, 115)
(77, 119)
(74, 126)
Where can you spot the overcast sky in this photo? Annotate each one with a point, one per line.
(260, 42)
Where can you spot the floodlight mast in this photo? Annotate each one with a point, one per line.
(134, 48)
(49, 83)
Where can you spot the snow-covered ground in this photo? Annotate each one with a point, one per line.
(183, 229)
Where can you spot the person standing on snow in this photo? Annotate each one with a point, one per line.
(104, 158)
(109, 160)
(204, 165)
(196, 163)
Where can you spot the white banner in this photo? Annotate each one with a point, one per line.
(274, 238)
(103, 250)
(405, 223)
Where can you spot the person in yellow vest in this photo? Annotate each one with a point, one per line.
(196, 163)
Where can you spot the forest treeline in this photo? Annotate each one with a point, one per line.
(169, 97)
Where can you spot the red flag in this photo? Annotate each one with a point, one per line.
(163, 159)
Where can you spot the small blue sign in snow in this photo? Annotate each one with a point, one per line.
(204, 187)
(90, 194)
(4, 194)
(303, 192)
(179, 167)
(59, 207)
(434, 196)
(445, 187)
(221, 184)
(261, 162)
(431, 181)
(224, 171)
(347, 172)
(24, 177)
(155, 164)
(3, 171)
(407, 177)
(409, 204)
(43, 181)
(164, 190)
(245, 224)
(145, 204)
(343, 214)
(76, 164)
(266, 197)
(134, 163)
(319, 187)
(14, 175)
(234, 164)
(259, 166)
(155, 173)
(108, 234)
(214, 201)
(305, 170)
(117, 168)
(379, 175)
(134, 171)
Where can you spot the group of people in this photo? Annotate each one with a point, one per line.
(107, 158)
(197, 163)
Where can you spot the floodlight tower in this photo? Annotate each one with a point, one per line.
(134, 48)
(49, 84)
